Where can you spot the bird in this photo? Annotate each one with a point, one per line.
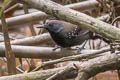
(66, 34)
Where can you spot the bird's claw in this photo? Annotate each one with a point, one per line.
(79, 50)
(56, 47)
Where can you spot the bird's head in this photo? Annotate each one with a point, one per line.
(53, 26)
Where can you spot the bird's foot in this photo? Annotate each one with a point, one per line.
(79, 49)
(82, 47)
(61, 48)
(56, 47)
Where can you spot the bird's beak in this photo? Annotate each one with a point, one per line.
(41, 26)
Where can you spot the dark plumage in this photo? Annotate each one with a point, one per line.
(66, 34)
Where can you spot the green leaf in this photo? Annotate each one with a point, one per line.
(4, 5)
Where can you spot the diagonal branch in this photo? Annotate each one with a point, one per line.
(37, 16)
(35, 40)
(11, 64)
(94, 66)
(73, 58)
(86, 69)
(75, 17)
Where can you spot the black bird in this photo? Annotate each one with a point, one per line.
(66, 34)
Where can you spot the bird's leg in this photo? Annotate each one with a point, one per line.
(56, 47)
(82, 47)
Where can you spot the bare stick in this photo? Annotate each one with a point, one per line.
(34, 40)
(59, 75)
(75, 17)
(40, 75)
(72, 58)
(11, 64)
(86, 69)
(37, 16)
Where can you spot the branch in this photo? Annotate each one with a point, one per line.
(26, 11)
(61, 74)
(73, 58)
(86, 69)
(34, 40)
(94, 66)
(40, 52)
(75, 17)
(11, 64)
(116, 1)
(37, 16)
(37, 52)
(40, 75)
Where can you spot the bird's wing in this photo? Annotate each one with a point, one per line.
(68, 26)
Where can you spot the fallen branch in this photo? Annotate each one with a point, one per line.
(75, 17)
(94, 66)
(40, 75)
(43, 52)
(73, 58)
(86, 69)
(37, 16)
(11, 63)
(116, 1)
(34, 40)
(61, 74)
(37, 52)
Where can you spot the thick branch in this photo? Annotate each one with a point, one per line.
(34, 40)
(73, 58)
(101, 64)
(40, 75)
(116, 1)
(61, 74)
(37, 16)
(87, 69)
(11, 64)
(45, 52)
(37, 52)
(75, 17)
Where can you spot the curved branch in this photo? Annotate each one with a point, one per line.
(37, 16)
(75, 17)
(94, 66)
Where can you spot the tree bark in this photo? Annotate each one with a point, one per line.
(86, 69)
(39, 75)
(94, 66)
(78, 18)
(40, 52)
(11, 63)
(37, 16)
